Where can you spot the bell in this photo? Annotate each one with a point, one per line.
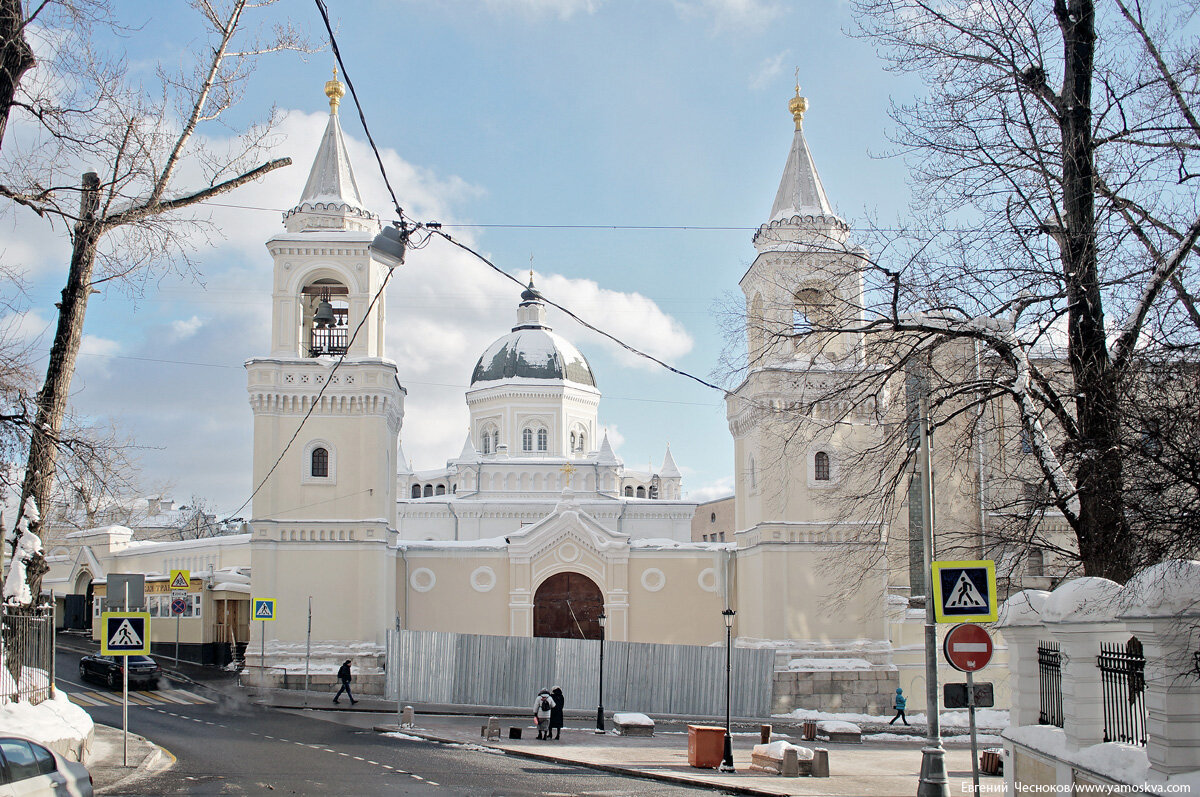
(324, 317)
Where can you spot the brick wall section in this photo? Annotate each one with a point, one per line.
(856, 691)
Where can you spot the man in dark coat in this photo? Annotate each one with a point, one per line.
(556, 713)
(344, 677)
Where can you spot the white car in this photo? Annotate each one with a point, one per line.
(29, 769)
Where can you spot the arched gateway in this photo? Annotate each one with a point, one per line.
(567, 606)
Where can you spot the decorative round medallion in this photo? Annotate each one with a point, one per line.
(653, 579)
(568, 552)
(707, 579)
(287, 266)
(422, 579)
(483, 579)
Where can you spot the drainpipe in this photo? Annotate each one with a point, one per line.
(450, 506)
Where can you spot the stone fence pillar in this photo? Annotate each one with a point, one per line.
(1020, 621)
(1163, 612)
(1079, 616)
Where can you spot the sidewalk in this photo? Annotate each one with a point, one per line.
(109, 774)
(876, 768)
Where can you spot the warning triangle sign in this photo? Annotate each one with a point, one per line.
(125, 636)
(965, 595)
(265, 609)
(179, 581)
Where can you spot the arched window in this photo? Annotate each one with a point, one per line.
(573, 442)
(654, 491)
(713, 519)
(416, 491)
(629, 491)
(543, 439)
(582, 446)
(441, 489)
(1035, 565)
(821, 466)
(496, 440)
(527, 439)
(486, 444)
(641, 492)
(320, 462)
(428, 490)
(753, 475)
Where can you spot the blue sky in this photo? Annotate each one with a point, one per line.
(530, 113)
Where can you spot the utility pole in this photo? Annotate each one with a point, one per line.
(933, 755)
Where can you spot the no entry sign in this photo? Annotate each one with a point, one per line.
(968, 647)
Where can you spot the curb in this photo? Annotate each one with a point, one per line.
(159, 759)
(612, 768)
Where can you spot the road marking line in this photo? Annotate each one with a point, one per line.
(376, 763)
(84, 700)
(195, 698)
(359, 758)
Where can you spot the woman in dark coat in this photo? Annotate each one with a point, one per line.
(556, 713)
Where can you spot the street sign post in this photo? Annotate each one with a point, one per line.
(955, 695)
(126, 591)
(180, 582)
(264, 609)
(965, 592)
(968, 648)
(125, 634)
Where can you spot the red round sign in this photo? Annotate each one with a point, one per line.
(968, 647)
(178, 606)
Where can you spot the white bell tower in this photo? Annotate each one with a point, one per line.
(327, 412)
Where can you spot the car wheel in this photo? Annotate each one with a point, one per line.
(112, 680)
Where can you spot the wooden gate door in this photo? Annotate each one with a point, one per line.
(566, 606)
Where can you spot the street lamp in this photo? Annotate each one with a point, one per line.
(600, 702)
(727, 762)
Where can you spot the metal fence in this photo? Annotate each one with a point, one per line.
(1050, 702)
(470, 669)
(1123, 679)
(27, 660)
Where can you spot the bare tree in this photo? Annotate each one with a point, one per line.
(130, 217)
(1041, 289)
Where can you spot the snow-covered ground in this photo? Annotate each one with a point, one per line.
(984, 717)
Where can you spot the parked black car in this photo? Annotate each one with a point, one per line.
(143, 670)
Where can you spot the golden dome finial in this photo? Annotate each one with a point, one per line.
(798, 105)
(334, 90)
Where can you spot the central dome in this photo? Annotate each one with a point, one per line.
(533, 353)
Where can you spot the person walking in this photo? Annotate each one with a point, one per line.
(344, 677)
(556, 713)
(541, 712)
(900, 703)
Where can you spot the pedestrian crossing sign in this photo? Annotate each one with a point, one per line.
(181, 579)
(264, 609)
(965, 592)
(125, 633)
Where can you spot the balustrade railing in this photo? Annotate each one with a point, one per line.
(1050, 703)
(1123, 679)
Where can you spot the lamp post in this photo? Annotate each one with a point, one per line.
(727, 761)
(600, 702)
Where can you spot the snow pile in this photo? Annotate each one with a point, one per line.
(776, 749)
(633, 719)
(828, 664)
(1082, 600)
(984, 717)
(1165, 589)
(837, 726)
(57, 723)
(33, 681)
(28, 545)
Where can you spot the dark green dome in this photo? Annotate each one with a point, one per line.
(533, 353)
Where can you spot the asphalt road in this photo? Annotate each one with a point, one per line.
(233, 747)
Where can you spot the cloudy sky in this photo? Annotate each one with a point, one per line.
(580, 133)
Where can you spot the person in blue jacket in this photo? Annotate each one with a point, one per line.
(900, 703)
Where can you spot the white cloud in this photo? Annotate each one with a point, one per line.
(95, 345)
(768, 70)
(731, 15)
(563, 9)
(615, 438)
(182, 330)
(631, 317)
(721, 488)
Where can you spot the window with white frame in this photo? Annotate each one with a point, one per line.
(821, 466)
(527, 439)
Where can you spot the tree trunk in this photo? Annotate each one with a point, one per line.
(52, 399)
(16, 57)
(1103, 531)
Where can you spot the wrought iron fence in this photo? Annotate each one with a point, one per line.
(27, 658)
(1123, 677)
(1050, 703)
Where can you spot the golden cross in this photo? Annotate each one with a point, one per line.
(797, 81)
(531, 267)
(568, 469)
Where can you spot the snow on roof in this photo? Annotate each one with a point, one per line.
(487, 542)
(1023, 608)
(101, 530)
(1164, 590)
(662, 543)
(1082, 600)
